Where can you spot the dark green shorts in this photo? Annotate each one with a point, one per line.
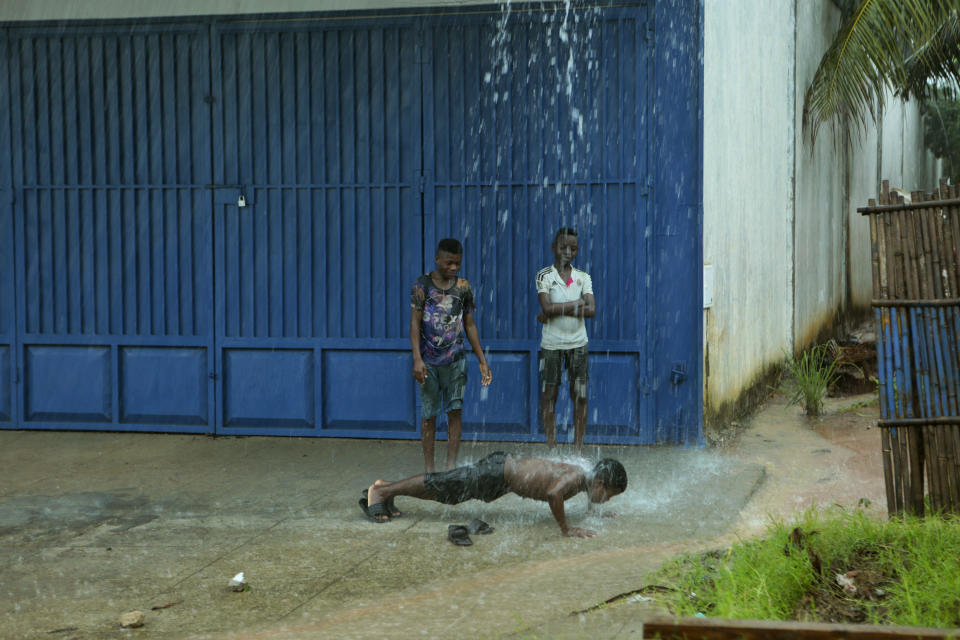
(482, 480)
(553, 361)
(443, 388)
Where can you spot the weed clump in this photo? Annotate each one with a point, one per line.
(813, 371)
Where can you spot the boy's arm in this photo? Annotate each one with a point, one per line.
(554, 309)
(470, 327)
(589, 305)
(419, 368)
(564, 487)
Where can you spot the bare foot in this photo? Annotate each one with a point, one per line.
(392, 508)
(374, 497)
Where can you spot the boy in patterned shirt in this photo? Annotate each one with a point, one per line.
(441, 312)
(566, 298)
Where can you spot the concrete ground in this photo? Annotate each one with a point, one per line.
(93, 525)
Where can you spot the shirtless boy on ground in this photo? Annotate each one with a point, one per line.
(499, 474)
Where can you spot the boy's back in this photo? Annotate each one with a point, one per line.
(536, 477)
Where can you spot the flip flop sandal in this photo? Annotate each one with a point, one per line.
(479, 526)
(374, 510)
(459, 535)
(394, 512)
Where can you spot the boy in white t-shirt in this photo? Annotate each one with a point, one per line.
(566, 298)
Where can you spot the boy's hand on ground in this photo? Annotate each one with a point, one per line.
(486, 376)
(577, 532)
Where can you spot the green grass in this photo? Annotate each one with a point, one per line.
(909, 573)
(814, 371)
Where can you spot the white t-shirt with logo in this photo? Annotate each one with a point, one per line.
(564, 332)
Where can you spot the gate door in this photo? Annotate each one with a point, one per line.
(537, 119)
(8, 375)
(317, 226)
(111, 160)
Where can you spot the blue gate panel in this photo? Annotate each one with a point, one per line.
(68, 384)
(368, 391)
(163, 386)
(6, 404)
(321, 130)
(503, 407)
(269, 388)
(111, 261)
(7, 306)
(284, 257)
(676, 266)
(110, 105)
(613, 400)
(614, 376)
(7, 269)
(111, 167)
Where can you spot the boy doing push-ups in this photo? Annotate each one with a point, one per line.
(500, 473)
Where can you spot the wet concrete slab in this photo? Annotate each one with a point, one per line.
(93, 525)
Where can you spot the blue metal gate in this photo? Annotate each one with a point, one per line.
(111, 161)
(218, 223)
(318, 131)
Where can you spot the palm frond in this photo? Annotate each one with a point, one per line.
(867, 59)
(934, 63)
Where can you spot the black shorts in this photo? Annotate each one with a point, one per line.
(553, 361)
(482, 480)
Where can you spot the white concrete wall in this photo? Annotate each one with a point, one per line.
(789, 250)
(864, 180)
(747, 188)
(819, 216)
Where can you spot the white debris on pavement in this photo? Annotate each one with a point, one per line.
(238, 583)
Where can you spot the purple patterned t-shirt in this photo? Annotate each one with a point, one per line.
(441, 332)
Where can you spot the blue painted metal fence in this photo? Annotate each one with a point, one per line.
(217, 222)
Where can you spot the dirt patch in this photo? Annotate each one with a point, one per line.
(856, 367)
(850, 592)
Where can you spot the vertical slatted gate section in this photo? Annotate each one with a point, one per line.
(559, 98)
(8, 330)
(110, 132)
(321, 137)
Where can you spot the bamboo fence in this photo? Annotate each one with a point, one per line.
(915, 248)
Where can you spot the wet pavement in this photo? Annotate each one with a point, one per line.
(93, 525)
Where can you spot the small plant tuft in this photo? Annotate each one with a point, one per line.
(814, 371)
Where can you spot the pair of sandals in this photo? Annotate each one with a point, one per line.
(380, 512)
(459, 534)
